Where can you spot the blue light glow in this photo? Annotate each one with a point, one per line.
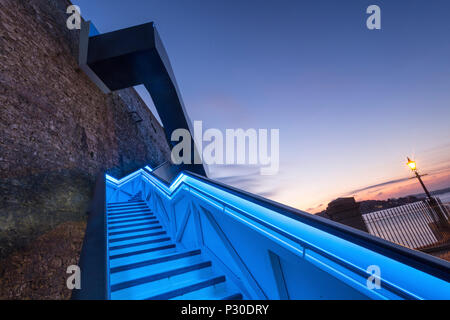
(340, 260)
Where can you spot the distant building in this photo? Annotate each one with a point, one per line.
(346, 211)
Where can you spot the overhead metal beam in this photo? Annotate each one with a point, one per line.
(135, 56)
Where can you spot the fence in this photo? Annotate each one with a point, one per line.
(413, 225)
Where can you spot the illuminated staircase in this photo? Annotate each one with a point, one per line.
(145, 263)
(195, 238)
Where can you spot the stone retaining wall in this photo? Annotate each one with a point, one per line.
(57, 129)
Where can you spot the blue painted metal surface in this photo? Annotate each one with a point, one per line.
(93, 30)
(198, 239)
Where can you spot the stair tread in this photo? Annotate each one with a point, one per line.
(154, 235)
(125, 203)
(163, 258)
(130, 203)
(134, 252)
(124, 224)
(114, 221)
(118, 204)
(154, 288)
(126, 209)
(218, 291)
(134, 205)
(118, 222)
(188, 288)
(140, 257)
(162, 239)
(140, 232)
(125, 212)
(150, 227)
(160, 276)
(153, 269)
(141, 237)
(131, 225)
(127, 216)
(115, 252)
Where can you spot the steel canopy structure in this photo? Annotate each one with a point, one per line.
(134, 56)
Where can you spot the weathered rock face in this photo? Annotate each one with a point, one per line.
(34, 204)
(38, 271)
(57, 129)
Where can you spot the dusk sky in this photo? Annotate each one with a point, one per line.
(350, 103)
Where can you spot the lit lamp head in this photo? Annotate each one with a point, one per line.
(411, 164)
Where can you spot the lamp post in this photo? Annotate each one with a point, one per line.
(432, 202)
(412, 165)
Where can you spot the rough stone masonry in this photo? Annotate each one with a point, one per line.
(57, 132)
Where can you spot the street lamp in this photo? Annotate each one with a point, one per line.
(412, 165)
(434, 205)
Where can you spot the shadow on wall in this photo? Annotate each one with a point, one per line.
(38, 271)
(33, 205)
(41, 232)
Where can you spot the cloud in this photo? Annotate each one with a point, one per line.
(268, 194)
(383, 184)
(435, 179)
(315, 209)
(245, 177)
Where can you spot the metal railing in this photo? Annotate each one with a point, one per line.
(414, 225)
